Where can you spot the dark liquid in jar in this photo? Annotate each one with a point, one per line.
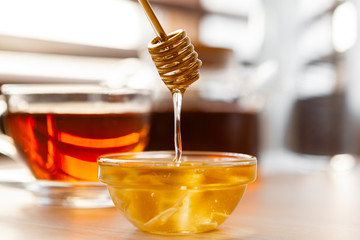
(319, 126)
(203, 128)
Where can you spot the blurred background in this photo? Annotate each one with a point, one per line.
(279, 78)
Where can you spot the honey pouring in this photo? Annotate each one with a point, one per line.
(177, 64)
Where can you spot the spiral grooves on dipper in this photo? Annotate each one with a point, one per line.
(176, 61)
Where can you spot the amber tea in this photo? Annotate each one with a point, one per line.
(66, 146)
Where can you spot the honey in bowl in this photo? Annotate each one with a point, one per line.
(161, 196)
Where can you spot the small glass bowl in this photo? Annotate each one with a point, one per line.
(161, 196)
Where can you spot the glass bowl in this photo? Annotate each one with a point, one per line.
(161, 196)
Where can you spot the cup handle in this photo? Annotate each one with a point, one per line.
(15, 178)
(7, 148)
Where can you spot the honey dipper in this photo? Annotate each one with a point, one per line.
(177, 63)
(174, 56)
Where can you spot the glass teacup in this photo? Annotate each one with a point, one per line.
(59, 130)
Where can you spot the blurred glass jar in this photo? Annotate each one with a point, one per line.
(320, 121)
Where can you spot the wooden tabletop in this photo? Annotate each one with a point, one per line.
(318, 205)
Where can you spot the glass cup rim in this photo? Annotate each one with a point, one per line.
(67, 88)
(163, 159)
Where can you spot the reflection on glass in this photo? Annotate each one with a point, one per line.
(344, 23)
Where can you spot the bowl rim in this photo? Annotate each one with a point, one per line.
(161, 159)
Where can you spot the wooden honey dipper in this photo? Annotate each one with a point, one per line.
(174, 55)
